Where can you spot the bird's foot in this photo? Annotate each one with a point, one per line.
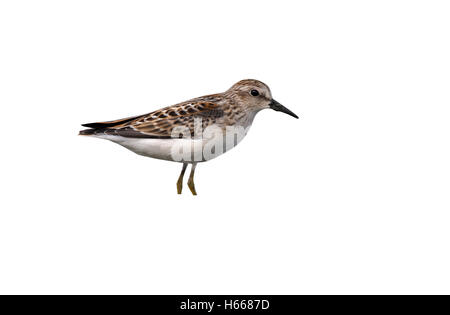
(192, 187)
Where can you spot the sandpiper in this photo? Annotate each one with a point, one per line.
(193, 131)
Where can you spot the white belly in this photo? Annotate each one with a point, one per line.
(178, 150)
(214, 141)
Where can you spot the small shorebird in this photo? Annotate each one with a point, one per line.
(177, 132)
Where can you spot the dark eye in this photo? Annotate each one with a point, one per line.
(254, 92)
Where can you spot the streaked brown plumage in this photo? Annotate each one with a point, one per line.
(235, 107)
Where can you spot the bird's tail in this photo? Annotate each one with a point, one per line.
(94, 127)
(87, 132)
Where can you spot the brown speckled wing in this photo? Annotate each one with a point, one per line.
(160, 123)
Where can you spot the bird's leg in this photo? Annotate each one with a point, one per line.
(191, 179)
(180, 179)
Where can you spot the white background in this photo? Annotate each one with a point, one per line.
(351, 198)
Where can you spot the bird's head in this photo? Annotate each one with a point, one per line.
(256, 95)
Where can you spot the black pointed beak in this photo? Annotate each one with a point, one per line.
(280, 108)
